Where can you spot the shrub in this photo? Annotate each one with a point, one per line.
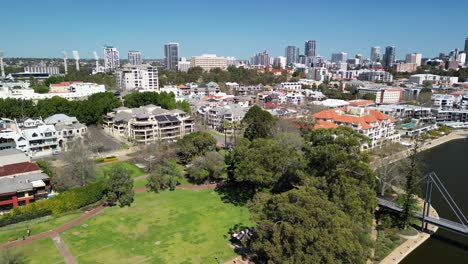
(67, 201)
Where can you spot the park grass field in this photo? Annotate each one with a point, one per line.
(134, 170)
(182, 226)
(38, 225)
(40, 251)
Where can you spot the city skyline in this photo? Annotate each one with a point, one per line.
(199, 32)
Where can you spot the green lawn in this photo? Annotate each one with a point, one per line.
(38, 225)
(139, 183)
(183, 226)
(134, 170)
(40, 251)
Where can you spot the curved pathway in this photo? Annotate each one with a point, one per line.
(86, 216)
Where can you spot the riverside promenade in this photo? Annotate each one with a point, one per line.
(411, 243)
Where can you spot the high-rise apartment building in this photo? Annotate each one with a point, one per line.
(375, 54)
(262, 58)
(292, 55)
(389, 56)
(111, 58)
(414, 58)
(143, 77)
(310, 48)
(466, 46)
(208, 62)
(171, 56)
(339, 57)
(134, 57)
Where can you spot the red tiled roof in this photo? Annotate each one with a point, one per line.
(324, 124)
(339, 115)
(360, 102)
(18, 168)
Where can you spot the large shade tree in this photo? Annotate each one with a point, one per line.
(304, 226)
(258, 123)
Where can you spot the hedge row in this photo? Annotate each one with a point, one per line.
(67, 201)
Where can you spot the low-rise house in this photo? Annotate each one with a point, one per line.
(377, 126)
(148, 124)
(68, 128)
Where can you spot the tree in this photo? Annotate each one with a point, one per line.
(303, 226)
(413, 174)
(335, 158)
(265, 163)
(165, 175)
(11, 256)
(369, 96)
(195, 144)
(427, 84)
(79, 169)
(46, 167)
(210, 167)
(119, 186)
(389, 172)
(258, 123)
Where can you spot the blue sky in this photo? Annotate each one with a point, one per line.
(239, 28)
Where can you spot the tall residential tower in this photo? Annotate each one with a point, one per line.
(171, 56)
(310, 48)
(111, 58)
(389, 56)
(134, 57)
(375, 54)
(292, 55)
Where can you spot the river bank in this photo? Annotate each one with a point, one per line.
(403, 250)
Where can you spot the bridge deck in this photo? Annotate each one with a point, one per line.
(440, 222)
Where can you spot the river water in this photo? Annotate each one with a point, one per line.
(450, 162)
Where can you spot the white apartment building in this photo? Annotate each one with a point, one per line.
(111, 58)
(373, 76)
(183, 65)
(294, 86)
(148, 124)
(231, 113)
(377, 126)
(443, 100)
(435, 79)
(139, 77)
(384, 95)
(208, 62)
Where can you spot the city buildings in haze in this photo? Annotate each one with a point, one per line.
(389, 56)
(375, 54)
(208, 62)
(310, 48)
(339, 57)
(414, 58)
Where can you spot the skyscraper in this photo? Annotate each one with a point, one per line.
(292, 55)
(389, 56)
(111, 58)
(466, 46)
(310, 48)
(262, 58)
(171, 56)
(134, 57)
(375, 54)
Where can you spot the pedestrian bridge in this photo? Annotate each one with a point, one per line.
(440, 222)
